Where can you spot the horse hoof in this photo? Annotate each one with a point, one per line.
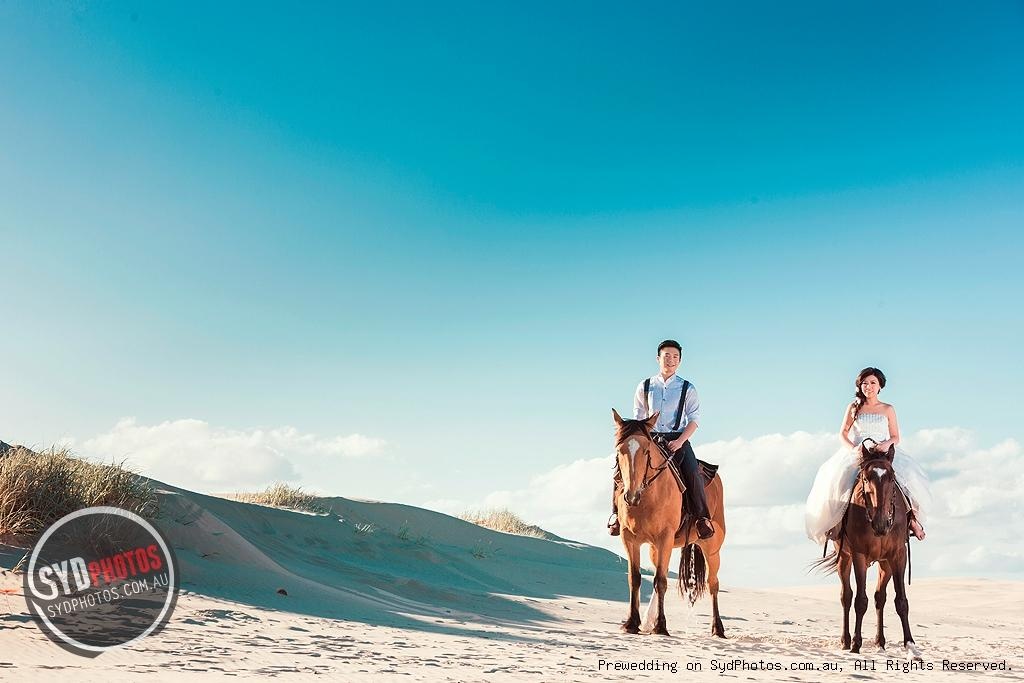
(662, 631)
(627, 627)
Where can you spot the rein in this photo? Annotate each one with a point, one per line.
(862, 479)
(864, 499)
(645, 482)
(867, 508)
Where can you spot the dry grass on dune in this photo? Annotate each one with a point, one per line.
(283, 496)
(37, 489)
(503, 520)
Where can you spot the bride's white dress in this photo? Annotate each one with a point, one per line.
(837, 476)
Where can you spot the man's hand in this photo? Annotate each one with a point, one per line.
(677, 444)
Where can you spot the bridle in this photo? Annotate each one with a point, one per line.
(868, 510)
(645, 482)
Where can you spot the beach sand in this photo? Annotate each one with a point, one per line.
(377, 589)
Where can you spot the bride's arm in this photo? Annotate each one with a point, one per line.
(845, 428)
(894, 430)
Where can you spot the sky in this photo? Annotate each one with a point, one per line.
(417, 253)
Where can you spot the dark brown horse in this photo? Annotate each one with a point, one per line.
(650, 510)
(874, 529)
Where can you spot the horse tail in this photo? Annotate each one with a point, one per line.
(827, 565)
(692, 572)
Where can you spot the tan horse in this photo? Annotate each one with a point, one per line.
(650, 510)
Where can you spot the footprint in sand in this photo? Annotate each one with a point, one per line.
(231, 615)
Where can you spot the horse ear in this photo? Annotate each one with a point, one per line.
(652, 420)
(618, 418)
(890, 453)
(865, 454)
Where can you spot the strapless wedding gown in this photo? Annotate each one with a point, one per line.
(838, 475)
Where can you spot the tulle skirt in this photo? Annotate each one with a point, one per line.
(835, 481)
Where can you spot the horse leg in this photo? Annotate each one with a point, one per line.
(845, 597)
(903, 609)
(632, 622)
(884, 574)
(661, 553)
(714, 562)
(860, 603)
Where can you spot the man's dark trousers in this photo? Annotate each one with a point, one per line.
(686, 462)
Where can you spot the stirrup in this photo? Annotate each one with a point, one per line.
(705, 528)
(613, 525)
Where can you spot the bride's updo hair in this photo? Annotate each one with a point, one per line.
(859, 399)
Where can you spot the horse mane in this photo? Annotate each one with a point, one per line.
(628, 428)
(877, 462)
(867, 456)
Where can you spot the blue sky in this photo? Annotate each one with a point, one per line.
(462, 229)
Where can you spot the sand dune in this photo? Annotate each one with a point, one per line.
(378, 588)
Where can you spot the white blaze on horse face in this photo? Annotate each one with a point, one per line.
(633, 445)
(880, 471)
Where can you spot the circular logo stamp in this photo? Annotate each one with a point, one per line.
(101, 578)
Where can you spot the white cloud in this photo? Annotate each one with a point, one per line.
(946, 439)
(449, 506)
(767, 525)
(972, 527)
(982, 557)
(196, 455)
(766, 480)
(574, 500)
(973, 482)
(774, 469)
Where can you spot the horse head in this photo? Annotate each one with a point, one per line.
(878, 488)
(633, 452)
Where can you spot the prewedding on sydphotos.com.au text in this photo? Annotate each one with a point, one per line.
(476, 342)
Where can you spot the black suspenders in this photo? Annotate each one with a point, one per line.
(679, 408)
(682, 400)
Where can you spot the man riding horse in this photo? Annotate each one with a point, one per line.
(678, 407)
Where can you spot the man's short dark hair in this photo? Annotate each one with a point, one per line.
(670, 344)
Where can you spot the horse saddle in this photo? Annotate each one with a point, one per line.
(708, 470)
